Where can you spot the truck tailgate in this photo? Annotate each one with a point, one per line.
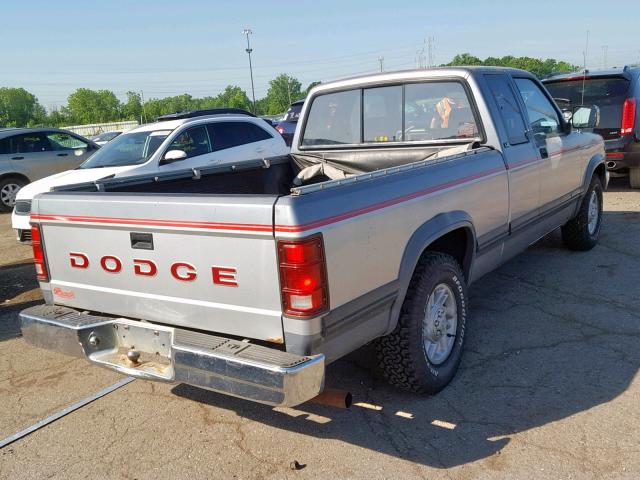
(208, 263)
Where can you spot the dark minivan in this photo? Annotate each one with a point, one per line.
(615, 92)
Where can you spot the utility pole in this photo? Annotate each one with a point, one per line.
(247, 32)
(143, 118)
(420, 59)
(381, 60)
(604, 55)
(431, 47)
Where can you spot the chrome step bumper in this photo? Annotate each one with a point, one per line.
(168, 354)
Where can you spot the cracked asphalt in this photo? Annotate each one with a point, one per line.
(548, 389)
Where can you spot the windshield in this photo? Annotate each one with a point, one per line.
(105, 137)
(127, 149)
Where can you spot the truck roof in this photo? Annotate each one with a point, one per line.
(416, 74)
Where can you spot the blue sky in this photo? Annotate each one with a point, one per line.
(169, 47)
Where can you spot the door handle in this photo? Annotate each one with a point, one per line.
(544, 153)
(17, 158)
(63, 154)
(260, 149)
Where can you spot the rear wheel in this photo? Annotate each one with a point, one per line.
(9, 188)
(634, 177)
(424, 351)
(582, 231)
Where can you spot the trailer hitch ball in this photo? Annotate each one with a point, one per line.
(133, 356)
(94, 341)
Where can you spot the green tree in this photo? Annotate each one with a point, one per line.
(464, 59)
(132, 108)
(310, 86)
(19, 108)
(234, 97)
(283, 90)
(57, 118)
(92, 106)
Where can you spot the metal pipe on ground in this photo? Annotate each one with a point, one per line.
(334, 398)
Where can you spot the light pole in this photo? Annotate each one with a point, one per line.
(247, 32)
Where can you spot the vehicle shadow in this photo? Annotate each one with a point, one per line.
(541, 347)
(18, 290)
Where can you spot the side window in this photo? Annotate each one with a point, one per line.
(508, 107)
(334, 119)
(30, 143)
(193, 142)
(232, 134)
(382, 114)
(252, 133)
(542, 116)
(438, 111)
(4, 146)
(64, 141)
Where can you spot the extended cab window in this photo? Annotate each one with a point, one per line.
(543, 117)
(382, 114)
(193, 142)
(334, 119)
(64, 141)
(232, 134)
(508, 108)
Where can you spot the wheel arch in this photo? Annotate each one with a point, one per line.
(452, 233)
(596, 166)
(21, 176)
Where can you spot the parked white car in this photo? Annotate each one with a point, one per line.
(188, 140)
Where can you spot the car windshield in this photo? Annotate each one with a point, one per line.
(293, 113)
(127, 149)
(105, 137)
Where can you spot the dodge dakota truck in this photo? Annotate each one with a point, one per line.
(401, 189)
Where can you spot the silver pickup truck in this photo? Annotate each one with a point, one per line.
(401, 190)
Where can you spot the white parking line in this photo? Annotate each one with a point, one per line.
(65, 411)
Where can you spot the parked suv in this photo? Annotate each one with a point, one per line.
(177, 141)
(29, 154)
(615, 92)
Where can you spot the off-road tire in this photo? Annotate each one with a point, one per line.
(402, 359)
(634, 177)
(9, 181)
(575, 233)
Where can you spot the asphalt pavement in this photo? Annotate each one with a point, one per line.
(548, 388)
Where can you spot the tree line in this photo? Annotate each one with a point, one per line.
(539, 67)
(19, 108)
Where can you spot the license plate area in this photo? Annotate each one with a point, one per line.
(133, 348)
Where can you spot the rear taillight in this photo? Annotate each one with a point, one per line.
(38, 254)
(303, 277)
(280, 130)
(628, 116)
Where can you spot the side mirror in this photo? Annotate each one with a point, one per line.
(585, 116)
(173, 156)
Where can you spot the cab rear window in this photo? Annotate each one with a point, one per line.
(433, 111)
